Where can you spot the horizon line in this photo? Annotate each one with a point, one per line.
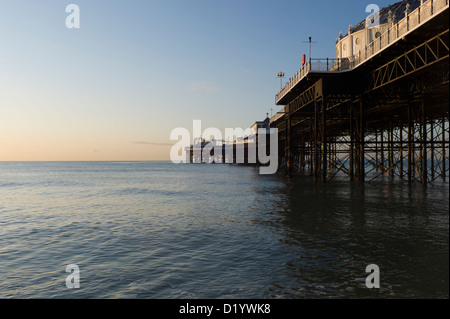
(1, 161)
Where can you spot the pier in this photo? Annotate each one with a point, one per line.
(381, 107)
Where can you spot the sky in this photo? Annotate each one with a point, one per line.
(115, 88)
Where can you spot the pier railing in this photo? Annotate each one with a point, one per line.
(326, 64)
(314, 65)
(396, 31)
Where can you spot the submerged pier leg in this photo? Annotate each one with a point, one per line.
(352, 146)
(409, 144)
(432, 149)
(443, 150)
(401, 150)
(324, 142)
(376, 152)
(391, 150)
(288, 145)
(382, 151)
(361, 138)
(424, 145)
(316, 141)
(311, 148)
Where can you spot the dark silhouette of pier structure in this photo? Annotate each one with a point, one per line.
(382, 111)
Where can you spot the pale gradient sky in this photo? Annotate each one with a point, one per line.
(115, 88)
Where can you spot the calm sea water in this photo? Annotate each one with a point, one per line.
(160, 230)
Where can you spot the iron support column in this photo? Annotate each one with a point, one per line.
(324, 141)
(424, 145)
(361, 140)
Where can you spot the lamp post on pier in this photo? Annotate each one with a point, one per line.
(281, 75)
(310, 42)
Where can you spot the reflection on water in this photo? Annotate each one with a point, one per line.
(159, 230)
(333, 231)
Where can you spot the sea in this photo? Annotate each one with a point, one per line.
(158, 230)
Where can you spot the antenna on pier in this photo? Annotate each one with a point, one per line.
(310, 42)
(281, 75)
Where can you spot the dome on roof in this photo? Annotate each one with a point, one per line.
(397, 10)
